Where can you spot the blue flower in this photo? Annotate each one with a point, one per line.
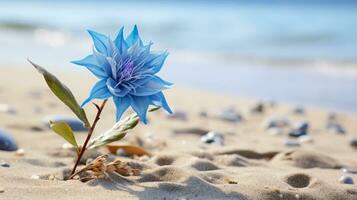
(126, 69)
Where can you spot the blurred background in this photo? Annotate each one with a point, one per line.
(295, 51)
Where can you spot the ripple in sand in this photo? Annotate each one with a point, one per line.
(306, 159)
(215, 177)
(41, 163)
(249, 154)
(232, 160)
(203, 165)
(164, 173)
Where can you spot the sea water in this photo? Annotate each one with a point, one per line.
(303, 52)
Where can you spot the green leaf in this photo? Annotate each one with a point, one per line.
(118, 131)
(64, 130)
(63, 93)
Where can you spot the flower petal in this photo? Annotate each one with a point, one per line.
(103, 62)
(133, 37)
(156, 62)
(122, 104)
(140, 106)
(100, 42)
(116, 90)
(153, 86)
(159, 100)
(119, 41)
(91, 64)
(99, 91)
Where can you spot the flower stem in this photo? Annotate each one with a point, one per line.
(89, 135)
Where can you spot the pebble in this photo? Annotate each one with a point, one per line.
(336, 127)
(36, 177)
(20, 152)
(258, 108)
(306, 139)
(346, 180)
(4, 164)
(122, 152)
(353, 142)
(74, 123)
(291, 143)
(213, 137)
(7, 143)
(229, 114)
(2, 190)
(7, 109)
(179, 115)
(299, 110)
(276, 122)
(203, 113)
(51, 178)
(300, 129)
(349, 170)
(332, 116)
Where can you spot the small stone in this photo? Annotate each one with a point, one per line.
(353, 142)
(306, 139)
(36, 177)
(74, 123)
(336, 127)
(346, 180)
(229, 114)
(331, 117)
(122, 152)
(349, 170)
(291, 143)
(7, 143)
(7, 109)
(299, 110)
(300, 129)
(20, 152)
(2, 190)
(4, 164)
(203, 114)
(179, 115)
(213, 138)
(258, 108)
(276, 122)
(51, 178)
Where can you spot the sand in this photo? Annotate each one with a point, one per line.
(252, 164)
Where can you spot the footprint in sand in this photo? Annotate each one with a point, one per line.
(298, 180)
(162, 160)
(306, 159)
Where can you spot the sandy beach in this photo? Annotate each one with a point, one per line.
(249, 161)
